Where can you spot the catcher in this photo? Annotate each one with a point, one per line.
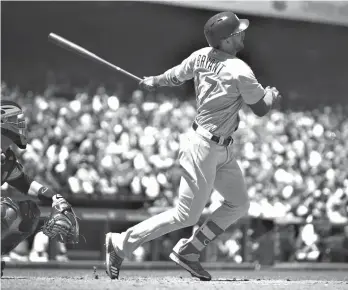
(19, 219)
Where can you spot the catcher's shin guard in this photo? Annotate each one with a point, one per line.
(19, 220)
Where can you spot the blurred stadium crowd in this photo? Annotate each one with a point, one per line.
(295, 162)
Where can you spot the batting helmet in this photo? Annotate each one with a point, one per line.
(223, 25)
(12, 125)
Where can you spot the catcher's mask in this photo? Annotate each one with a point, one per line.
(13, 124)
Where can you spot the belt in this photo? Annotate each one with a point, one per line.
(217, 139)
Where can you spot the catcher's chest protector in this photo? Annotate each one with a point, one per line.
(8, 164)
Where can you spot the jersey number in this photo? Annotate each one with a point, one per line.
(209, 83)
(212, 85)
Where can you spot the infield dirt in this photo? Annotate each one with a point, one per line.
(49, 279)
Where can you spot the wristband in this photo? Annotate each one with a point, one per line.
(45, 194)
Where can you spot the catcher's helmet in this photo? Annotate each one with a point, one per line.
(223, 25)
(13, 126)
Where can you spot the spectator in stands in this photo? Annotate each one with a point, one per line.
(102, 145)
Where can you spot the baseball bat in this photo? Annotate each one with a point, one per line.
(68, 45)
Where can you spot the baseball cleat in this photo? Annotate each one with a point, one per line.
(113, 260)
(192, 265)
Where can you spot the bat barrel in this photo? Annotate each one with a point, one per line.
(68, 45)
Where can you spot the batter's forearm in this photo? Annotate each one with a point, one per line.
(161, 80)
(168, 79)
(262, 108)
(268, 100)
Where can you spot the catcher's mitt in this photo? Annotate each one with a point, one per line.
(62, 222)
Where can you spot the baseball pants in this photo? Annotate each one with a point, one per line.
(206, 165)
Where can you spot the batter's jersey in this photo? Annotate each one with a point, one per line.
(222, 82)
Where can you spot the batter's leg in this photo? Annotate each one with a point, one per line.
(194, 191)
(229, 182)
(231, 185)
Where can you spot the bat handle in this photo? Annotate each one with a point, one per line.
(120, 69)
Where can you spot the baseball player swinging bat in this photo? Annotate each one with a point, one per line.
(224, 84)
(68, 45)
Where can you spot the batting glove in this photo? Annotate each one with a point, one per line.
(275, 92)
(149, 83)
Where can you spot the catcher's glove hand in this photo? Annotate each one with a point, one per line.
(62, 222)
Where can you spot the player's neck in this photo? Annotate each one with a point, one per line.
(230, 52)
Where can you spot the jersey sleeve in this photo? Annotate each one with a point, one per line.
(180, 73)
(250, 89)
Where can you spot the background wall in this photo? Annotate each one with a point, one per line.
(303, 60)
